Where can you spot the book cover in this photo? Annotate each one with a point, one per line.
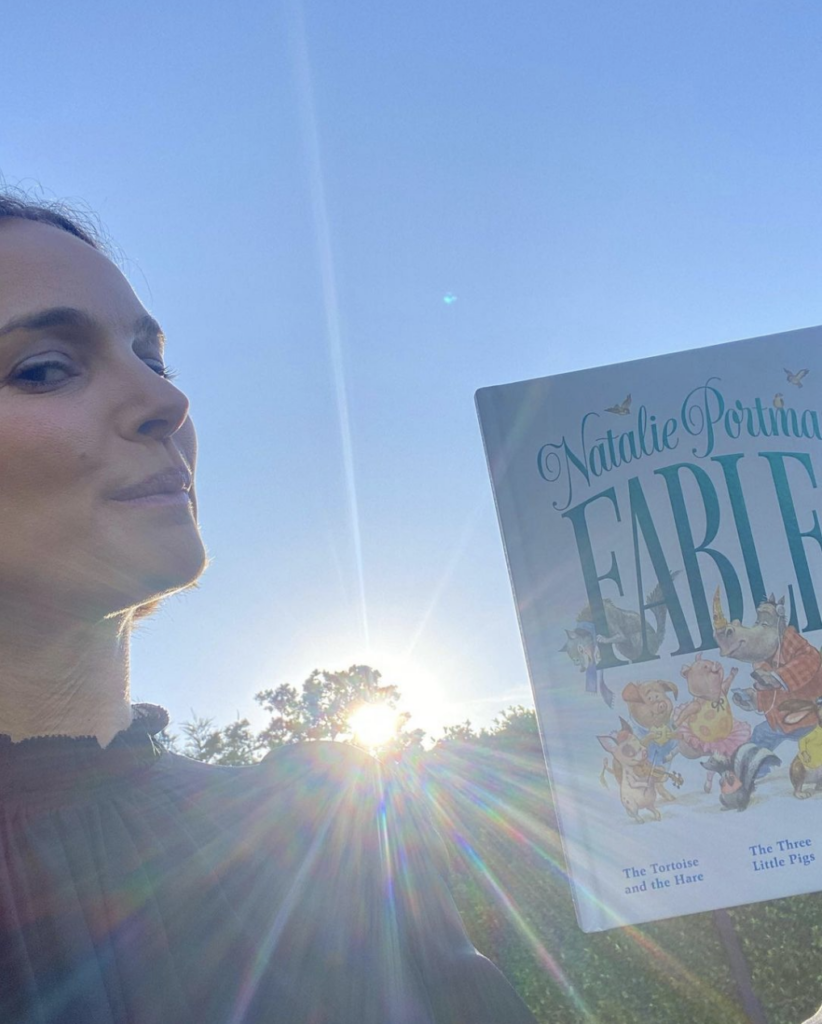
(660, 519)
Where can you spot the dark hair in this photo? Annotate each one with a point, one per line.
(14, 203)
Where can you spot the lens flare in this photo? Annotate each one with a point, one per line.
(374, 725)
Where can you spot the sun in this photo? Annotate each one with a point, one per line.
(374, 725)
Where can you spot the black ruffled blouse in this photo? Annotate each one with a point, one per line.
(140, 887)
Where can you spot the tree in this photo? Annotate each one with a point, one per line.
(464, 732)
(513, 729)
(233, 744)
(322, 709)
(319, 710)
(516, 728)
(405, 745)
(168, 741)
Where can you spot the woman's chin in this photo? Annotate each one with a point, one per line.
(164, 569)
(180, 569)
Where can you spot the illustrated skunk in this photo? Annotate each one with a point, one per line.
(738, 773)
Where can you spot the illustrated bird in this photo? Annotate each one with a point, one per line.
(622, 409)
(779, 401)
(796, 378)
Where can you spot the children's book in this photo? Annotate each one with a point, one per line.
(661, 522)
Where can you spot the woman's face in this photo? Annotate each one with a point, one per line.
(85, 412)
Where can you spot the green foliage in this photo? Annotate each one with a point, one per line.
(321, 710)
(233, 744)
(493, 805)
(508, 878)
(513, 729)
(516, 728)
(168, 741)
(461, 733)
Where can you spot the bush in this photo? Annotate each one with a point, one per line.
(508, 880)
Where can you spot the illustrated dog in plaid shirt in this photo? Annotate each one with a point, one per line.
(785, 667)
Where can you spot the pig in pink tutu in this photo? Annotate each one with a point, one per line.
(707, 725)
(711, 727)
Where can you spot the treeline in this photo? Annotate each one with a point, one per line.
(492, 802)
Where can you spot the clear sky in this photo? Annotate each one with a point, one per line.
(297, 187)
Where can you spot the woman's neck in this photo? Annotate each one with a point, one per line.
(69, 679)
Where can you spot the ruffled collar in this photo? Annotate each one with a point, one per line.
(75, 765)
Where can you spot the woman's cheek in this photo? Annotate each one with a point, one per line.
(186, 440)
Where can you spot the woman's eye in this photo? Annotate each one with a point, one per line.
(50, 373)
(43, 374)
(161, 369)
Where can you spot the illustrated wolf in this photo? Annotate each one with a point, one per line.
(624, 631)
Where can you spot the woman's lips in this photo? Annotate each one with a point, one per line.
(168, 489)
(168, 482)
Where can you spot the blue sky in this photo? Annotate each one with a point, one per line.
(295, 188)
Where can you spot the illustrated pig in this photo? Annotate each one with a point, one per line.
(706, 725)
(651, 708)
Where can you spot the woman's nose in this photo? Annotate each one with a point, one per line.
(159, 408)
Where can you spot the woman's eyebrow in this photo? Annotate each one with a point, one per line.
(146, 327)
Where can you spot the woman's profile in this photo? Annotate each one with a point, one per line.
(138, 886)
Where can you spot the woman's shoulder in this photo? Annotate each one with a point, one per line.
(321, 756)
(320, 771)
(296, 775)
(334, 823)
(320, 760)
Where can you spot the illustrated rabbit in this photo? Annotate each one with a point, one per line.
(806, 767)
(637, 778)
